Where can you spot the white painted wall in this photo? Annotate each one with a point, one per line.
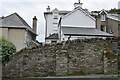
(50, 20)
(78, 19)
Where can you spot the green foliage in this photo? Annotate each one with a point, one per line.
(96, 11)
(114, 11)
(6, 49)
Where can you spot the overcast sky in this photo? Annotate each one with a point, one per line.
(27, 9)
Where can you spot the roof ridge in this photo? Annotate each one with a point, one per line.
(21, 20)
(9, 15)
(25, 23)
(78, 8)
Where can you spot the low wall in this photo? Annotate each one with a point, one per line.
(93, 56)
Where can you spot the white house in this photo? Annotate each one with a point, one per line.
(52, 19)
(69, 25)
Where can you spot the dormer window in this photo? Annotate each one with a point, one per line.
(103, 18)
(55, 15)
(103, 15)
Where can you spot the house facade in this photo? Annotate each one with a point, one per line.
(52, 19)
(69, 25)
(107, 22)
(17, 31)
(78, 24)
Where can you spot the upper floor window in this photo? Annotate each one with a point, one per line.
(55, 27)
(55, 15)
(103, 18)
(110, 31)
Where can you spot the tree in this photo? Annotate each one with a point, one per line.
(6, 49)
(114, 10)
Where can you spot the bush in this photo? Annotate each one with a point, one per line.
(6, 49)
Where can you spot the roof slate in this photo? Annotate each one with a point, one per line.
(60, 12)
(114, 16)
(79, 31)
(15, 21)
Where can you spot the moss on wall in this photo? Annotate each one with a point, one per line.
(76, 57)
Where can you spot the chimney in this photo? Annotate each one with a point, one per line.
(79, 4)
(34, 24)
(48, 9)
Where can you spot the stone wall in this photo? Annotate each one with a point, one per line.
(93, 56)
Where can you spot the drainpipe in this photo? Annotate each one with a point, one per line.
(60, 28)
(69, 37)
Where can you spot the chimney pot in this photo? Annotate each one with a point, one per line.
(79, 4)
(48, 9)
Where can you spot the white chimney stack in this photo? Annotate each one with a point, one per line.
(79, 4)
(48, 9)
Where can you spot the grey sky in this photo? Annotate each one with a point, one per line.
(29, 8)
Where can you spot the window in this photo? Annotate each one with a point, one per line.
(55, 15)
(55, 26)
(53, 41)
(110, 30)
(102, 28)
(103, 18)
(119, 27)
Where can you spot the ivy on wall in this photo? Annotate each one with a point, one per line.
(6, 49)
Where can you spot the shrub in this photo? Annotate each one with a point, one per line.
(6, 49)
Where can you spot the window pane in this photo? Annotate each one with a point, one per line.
(55, 15)
(102, 17)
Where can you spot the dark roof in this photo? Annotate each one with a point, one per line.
(81, 9)
(60, 12)
(109, 15)
(15, 21)
(114, 16)
(64, 12)
(79, 31)
(53, 36)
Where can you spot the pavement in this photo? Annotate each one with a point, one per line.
(93, 77)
